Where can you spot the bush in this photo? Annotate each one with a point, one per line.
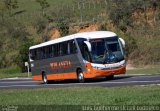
(63, 26)
(102, 27)
(23, 54)
(10, 70)
(131, 44)
(40, 25)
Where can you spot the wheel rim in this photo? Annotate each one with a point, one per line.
(44, 78)
(80, 77)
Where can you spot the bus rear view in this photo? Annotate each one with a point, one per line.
(79, 56)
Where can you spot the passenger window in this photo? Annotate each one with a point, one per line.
(32, 54)
(73, 48)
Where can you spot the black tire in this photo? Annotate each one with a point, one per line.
(80, 76)
(110, 77)
(44, 78)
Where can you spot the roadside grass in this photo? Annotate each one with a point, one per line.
(21, 75)
(131, 95)
(12, 72)
(144, 71)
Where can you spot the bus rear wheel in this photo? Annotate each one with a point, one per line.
(44, 78)
(80, 76)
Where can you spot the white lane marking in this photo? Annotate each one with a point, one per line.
(136, 81)
(81, 84)
(106, 83)
(141, 75)
(138, 74)
(149, 85)
(18, 82)
(19, 86)
(16, 78)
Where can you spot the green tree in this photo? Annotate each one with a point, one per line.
(23, 55)
(41, 25)
(13, 35)
(2, 10)
(102, 27)
(10, 5)
(63, 26)
(131, 44)
(44, 5)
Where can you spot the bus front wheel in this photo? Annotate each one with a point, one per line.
(44, 78)
(80, 76)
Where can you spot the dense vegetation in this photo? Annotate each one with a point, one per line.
(24, 23)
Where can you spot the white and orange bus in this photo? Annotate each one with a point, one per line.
(78, 56)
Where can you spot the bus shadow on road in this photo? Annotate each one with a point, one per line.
(93, 80)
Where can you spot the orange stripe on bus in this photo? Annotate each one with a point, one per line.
(37, 77)
(89, 73)
(62, 76)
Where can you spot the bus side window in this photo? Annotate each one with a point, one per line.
(72, 47)
(37, 54)
(84, 49)
(58, 49)
(51, 51)
(42, 53)
(85, 53)
(55, 49)
(64, 48)
(47, 52)
(32, 54)
(68, 48)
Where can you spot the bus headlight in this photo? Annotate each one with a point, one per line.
(123, 64)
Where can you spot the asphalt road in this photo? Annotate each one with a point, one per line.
(119, 80)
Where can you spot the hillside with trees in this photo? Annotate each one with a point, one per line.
(28, 22)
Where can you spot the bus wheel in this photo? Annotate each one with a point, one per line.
(110, 77)
(44, 78)
(80, 76)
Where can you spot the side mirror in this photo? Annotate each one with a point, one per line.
(88, 45)
(123, 42)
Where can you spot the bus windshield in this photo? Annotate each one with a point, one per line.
(106, 51)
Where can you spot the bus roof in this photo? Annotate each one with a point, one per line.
(86, 35)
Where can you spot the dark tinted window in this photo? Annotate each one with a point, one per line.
(55, 50)
(63, 48)
(60, 49)
(72, 47)
(80, 42)
(84, 49)
(32, 54)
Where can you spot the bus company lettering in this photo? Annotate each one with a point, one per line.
(62, 64)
